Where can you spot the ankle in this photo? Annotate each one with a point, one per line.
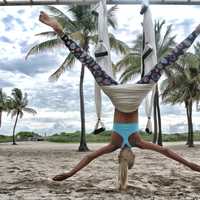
(58, 30)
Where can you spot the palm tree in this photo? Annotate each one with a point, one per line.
(82, 27)
(132, 64)
(17, 105)
(182, 85)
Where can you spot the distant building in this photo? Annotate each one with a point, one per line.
(29, 137)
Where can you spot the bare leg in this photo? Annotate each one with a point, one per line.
(165, 151)
(86, 160)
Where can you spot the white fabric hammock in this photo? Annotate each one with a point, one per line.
(127, 97)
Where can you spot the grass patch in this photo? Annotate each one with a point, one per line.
(4, 138)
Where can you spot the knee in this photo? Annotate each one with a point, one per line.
(90, 157)
(165, 151)
(140, 144)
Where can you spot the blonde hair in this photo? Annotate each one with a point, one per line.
(126, 161)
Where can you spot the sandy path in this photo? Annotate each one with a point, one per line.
(24, 170)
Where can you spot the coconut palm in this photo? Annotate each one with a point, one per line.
(182, 85)
(131, 64)
(17, 106)
(82, 27)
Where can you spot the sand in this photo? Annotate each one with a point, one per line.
(25, 170)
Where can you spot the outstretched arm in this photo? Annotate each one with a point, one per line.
(154, 75)
(85, 161)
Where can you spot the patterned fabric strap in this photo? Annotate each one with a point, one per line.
(101, 77)
(154, 75)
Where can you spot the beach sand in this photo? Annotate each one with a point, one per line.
(25, 170)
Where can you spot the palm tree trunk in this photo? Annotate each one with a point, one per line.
(0, 118)
(191, 141)
(83, 145)
(188, 121)
(155, 120)
(14, 143)
(159, 118)
(1, 108)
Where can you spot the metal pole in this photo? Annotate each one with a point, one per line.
(81, 2)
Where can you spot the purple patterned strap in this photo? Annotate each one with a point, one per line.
(101, 77)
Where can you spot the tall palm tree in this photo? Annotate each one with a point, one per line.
(17, 106)
(182, 85)
(82, 27)
(131, 64)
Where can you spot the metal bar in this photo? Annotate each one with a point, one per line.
(156, 2)
(46, 2)
(120, 2)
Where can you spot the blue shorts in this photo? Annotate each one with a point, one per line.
(125, 130)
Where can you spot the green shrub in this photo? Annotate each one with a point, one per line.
(5, 138)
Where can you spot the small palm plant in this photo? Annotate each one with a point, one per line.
(17, 105)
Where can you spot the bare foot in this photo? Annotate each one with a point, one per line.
(50, 21)
(61, 177)
(195, 167)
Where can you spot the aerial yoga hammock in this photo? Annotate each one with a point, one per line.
(126, 98)
(103, 58)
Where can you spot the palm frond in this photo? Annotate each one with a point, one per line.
(166, 48)
(128, 74)
(30, 110)
(14, 113)
(117, 45)
(131, 59)
(44, 46)
(47, 34)
(67, 64)
(17, 94)
(21, 114)
(24, 102)
(111, 17)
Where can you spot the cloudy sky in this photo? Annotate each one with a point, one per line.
(57, 104)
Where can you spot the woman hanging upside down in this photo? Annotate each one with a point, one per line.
(125, 129)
